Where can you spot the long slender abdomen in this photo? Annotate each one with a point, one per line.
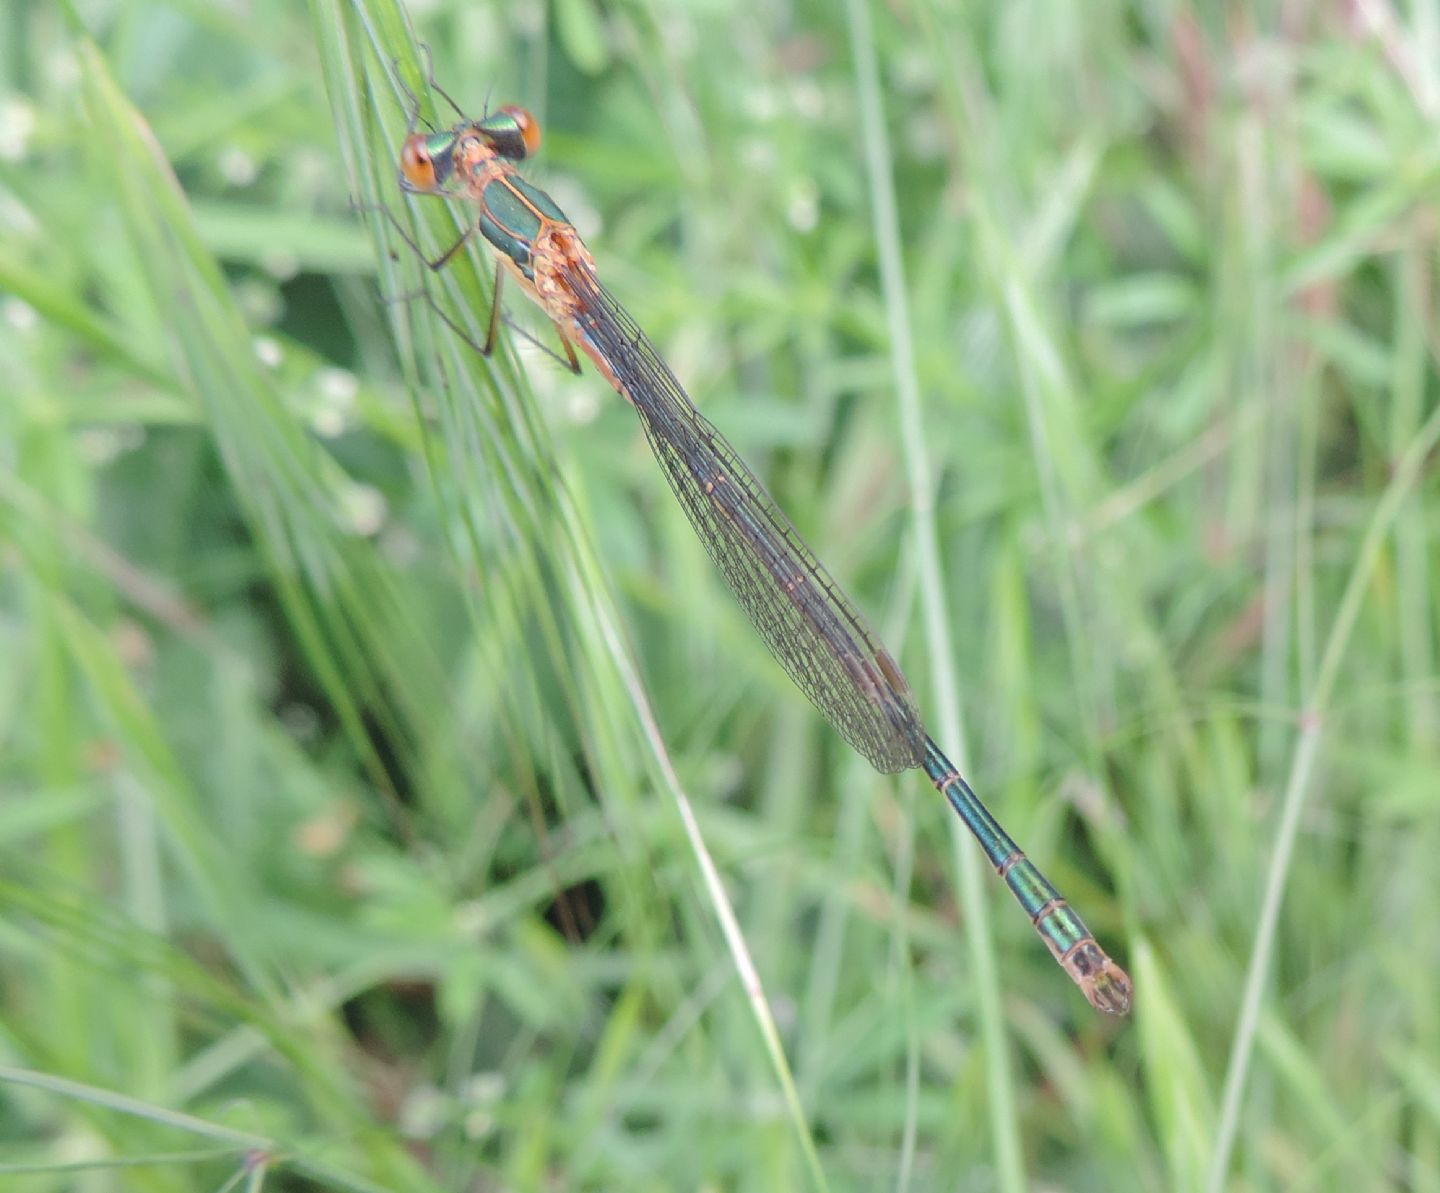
(1104, 983)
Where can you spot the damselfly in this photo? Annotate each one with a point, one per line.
(808, 623)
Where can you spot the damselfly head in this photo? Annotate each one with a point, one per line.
(512, 132)
(426, 160)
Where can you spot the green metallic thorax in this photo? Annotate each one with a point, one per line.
(512, 213)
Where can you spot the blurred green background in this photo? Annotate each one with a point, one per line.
(356, 690)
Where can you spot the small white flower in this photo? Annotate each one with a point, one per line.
(582, 404)
(19, 315)
(237, 167)
(363, 509)
(329, 422)
(280, 265)
(808, 97)
(269, 352)
(338, 387)
(17, 126)
(803, 209)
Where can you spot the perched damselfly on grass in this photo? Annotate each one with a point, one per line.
(806, 620)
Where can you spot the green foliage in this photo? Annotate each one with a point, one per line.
(391, 797)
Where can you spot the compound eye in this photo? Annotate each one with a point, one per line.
(526, 125)
(416, 165)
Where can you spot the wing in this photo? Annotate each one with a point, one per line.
(808, 623)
